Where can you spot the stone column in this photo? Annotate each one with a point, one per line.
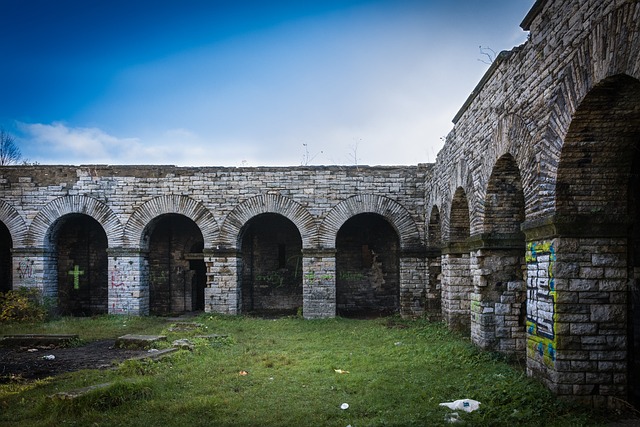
(319, 283)
(456, 287)
(413, 281)
(498, 298)
(223, 291)
(29, 271)
(577, 290)
(128, 282)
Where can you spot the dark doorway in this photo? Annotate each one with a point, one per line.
(6, 270)
(271, 267)
(367, 267)
(81, 251)
(177, 272)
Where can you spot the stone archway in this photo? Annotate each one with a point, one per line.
(177, 272)
(592, 281)
(456, 275)
(271, 268)
(77, 264)
(367, 267)
(498, 299)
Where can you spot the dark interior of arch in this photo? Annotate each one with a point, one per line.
(177, 272)
(598, 182)
(434, 228)
(367, 267)
(6, 274)
(81, 250)
(459, 223)
(271, 268)
(504, 205)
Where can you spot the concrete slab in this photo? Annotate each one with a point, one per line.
(141, 342)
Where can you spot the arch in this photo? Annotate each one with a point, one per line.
(367, 267)
(396, 214)
(177, 271)
(598, 151)
(268, 203)
(597, 198)
(434, 228)
(270, 268)
(52, 211)
(182, 205)
(77, 265)
(459, 224)
(593, 62)
(10, 217)
(504, 199)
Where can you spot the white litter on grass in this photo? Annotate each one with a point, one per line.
(344, 406)
(49, 357)
(467, 405)
(452, 418)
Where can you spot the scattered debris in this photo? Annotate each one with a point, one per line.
(49, 357)
(344, 406)
(453, 417)
(243, 373)
(467, 405)
(340, 371)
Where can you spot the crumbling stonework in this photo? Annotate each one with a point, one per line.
(525, 233)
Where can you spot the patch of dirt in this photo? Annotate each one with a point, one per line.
(22, 363)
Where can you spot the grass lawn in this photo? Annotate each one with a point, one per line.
(283, 373)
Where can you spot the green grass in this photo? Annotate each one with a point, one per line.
(399, 372)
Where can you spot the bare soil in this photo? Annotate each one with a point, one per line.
(35, 362)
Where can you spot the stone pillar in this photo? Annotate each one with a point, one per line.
(319, 283)
(498, 297)
(577, 289)
(413, 281)
(128, 282)
(456, 287)
(223, 291)
(29, 271)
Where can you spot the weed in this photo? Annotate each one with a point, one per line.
(22, 305)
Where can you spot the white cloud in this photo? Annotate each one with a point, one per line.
(60, 143)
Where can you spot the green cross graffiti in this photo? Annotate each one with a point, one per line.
(76, 273)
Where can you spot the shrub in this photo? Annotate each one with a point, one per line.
(22, 305)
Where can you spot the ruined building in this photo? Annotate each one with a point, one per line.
(525, 233)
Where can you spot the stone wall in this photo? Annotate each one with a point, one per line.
(545, 152)
(148, 213)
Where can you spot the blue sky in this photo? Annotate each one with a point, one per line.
(233, 83)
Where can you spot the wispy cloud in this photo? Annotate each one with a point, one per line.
(60, 143)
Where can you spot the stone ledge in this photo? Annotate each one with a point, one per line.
(141, 342)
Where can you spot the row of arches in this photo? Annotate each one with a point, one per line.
(546, 287)
(174, 252)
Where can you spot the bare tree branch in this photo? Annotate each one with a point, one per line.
(489, 53)
(9, 151)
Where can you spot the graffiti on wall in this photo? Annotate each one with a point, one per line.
(541, 305)
(119, 278)
(25, 272)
